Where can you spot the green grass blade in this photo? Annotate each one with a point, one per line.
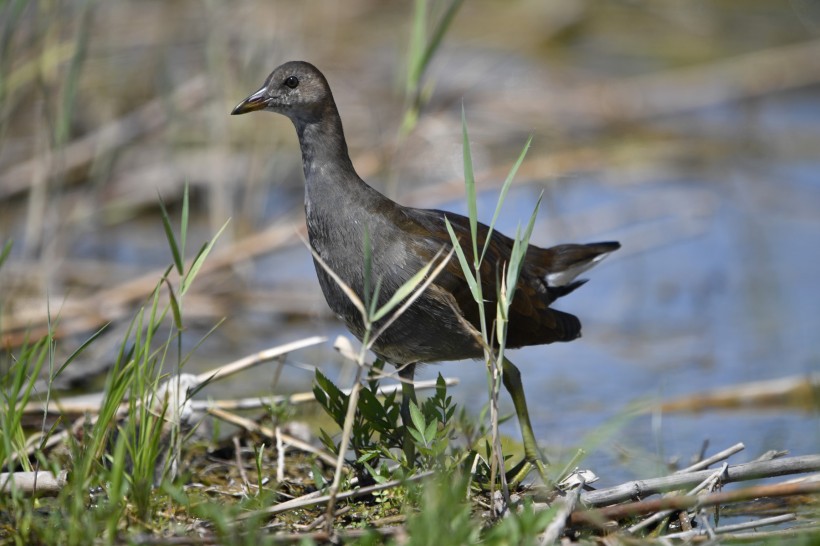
(438, 35)
(200, 260)
(469, 182)
(69, 91)
(183, 223)
(415, 50)
(4, 254)
(519, 252)
(169, 234)
(466, 268)
(82, 348)
(175, 309)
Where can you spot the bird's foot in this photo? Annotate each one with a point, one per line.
(520, 471)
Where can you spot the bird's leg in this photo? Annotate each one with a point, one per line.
(512, 382)
(408, 393)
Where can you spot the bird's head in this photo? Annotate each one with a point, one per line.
(295, 89)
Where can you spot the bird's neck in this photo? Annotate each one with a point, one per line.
(325, 158)
(331, 182)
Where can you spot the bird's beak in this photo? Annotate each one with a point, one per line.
(257, 101)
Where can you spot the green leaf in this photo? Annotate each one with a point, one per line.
(4, 254)
(416, 46)
(416, 417)
(417, 436)
(466, 267)
(183, 223)
(438, 35)
(175, 309)
(169, 234)
(519, 252)
(200, 260)
(469, 182)
(82, 348)
(430, 432)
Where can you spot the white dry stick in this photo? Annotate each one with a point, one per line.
(280, 456)
(46, 482)
(559, 522)
(705, 463)
(258, 358)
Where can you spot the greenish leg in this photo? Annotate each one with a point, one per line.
(408, 393)
(512, 382)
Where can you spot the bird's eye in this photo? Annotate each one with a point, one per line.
(292, 82)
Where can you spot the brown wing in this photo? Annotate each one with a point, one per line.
(531, 320)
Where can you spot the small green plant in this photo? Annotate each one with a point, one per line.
(377, 435)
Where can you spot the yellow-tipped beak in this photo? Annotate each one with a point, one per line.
(257, 101)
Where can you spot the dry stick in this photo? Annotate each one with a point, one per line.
(739, 472)
(725, 454)
(774, 520)
(353, 397)
(86, 404)
(321, 519)
(116, 134)
(46, 482)
(314, 498)
(350, 416)
(664, 513)
(621, 511)
(91, 403)
(258, 358)
(559, 522)
(246, 484)
(757, 537)
(280, 456)
(253, 426)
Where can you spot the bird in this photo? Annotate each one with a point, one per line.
(344, 214)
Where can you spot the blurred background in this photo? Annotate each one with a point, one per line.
(689, 131)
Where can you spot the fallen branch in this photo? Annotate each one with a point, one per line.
(684, 502)
(33, 482)
(739, 472)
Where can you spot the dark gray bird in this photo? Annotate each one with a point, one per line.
(341, 208)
